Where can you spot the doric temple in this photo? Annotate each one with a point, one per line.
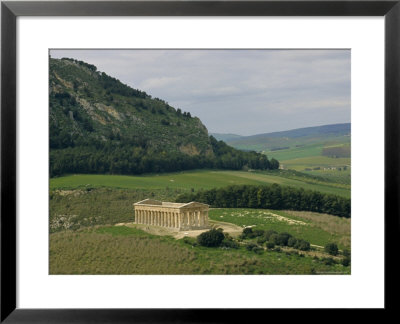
(179, 216)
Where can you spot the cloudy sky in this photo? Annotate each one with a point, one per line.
(243, 92)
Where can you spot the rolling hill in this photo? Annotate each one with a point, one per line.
(292, 138)
(100, 125)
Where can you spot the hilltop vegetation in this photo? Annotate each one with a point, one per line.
(100, 125)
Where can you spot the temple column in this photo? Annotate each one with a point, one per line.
(190, 219)
(168, 216)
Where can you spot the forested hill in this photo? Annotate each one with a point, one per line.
(100, 125)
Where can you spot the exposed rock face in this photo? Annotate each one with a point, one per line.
(92, 105)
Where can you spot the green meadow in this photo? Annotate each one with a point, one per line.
(125, 250)
(318, 229)
(191, 180)
(310, 160)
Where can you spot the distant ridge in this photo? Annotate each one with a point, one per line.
(306, 131)
(225, 137)
(299, 136)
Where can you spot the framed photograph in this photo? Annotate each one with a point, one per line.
(164, 158)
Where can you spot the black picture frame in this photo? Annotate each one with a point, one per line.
(11, 10)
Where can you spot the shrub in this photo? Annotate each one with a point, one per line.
(270, 245)
(248, 233)
(328, 261)
(332, 249)
(292, 241)
(274, 238)
(258, 232)
(302, 245)
(346, 262)
(211, 238)
(251, 246)
(283, 238)
(346, 253)
(261, 240)
(229, 244)
(268, 234)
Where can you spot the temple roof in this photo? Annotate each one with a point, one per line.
(153, 202)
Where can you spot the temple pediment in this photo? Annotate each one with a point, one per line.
(194, 204)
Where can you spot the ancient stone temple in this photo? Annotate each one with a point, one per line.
(179, 216)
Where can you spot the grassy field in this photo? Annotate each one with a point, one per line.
(318, 229)
(123, 250)
(189, 180)
(308, 158)
(85, 208)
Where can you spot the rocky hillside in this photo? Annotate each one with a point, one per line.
(89, 106)
(100, 125)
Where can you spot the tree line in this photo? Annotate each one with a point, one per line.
(271, 197)
(133, 156)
